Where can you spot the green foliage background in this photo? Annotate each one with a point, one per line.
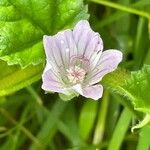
(31, 119)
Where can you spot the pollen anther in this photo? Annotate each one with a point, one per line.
(76, 74)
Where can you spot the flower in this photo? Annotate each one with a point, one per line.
(75, 61)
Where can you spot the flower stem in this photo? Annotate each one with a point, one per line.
(122, 8)
(34, 95)
(120, 130)
(22, 128)
(100, 127)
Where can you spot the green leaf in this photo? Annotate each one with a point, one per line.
(141, 43)
(112, 17)
(68, 125)
(143, 123)
(144, 142)
(147, 58)
(68, 97)
(48, 128)
(124, 8)
(115, 80)
(23, 24)
(13, 78)
(137, 88)
(87, 118)
(120, 130)
(8, 143)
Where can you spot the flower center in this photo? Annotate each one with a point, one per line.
(76, 74)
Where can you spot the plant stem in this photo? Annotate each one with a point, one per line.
(100, 127)
(22, 128)
(122, 8)
(34, 94)
(120, 130)
(144, 142)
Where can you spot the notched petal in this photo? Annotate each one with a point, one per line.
(51, 82)
(87, 41)
(94, 92)
(108, 62)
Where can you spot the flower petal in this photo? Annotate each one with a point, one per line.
(108, 62)
(95, 92)
(53, 56)
(86, 39)
(51, 82)
(58, 49)
(66, 44)
(77, 88)
(48, 66)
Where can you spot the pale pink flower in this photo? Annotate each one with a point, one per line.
(75, 61)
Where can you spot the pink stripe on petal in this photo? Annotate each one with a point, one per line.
(81, 33)
(51, 50)
(94, 60)
(71, 44)
(94, 45)
(67, 45)
(94, 92)
(108, 62)
(88, 42)
(51, 82)
(79, 29)
(59, 48)
(83, 41)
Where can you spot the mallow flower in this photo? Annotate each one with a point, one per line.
(76, 62)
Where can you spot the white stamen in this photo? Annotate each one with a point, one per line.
(76, 74)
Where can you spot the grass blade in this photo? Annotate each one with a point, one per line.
(120, 130)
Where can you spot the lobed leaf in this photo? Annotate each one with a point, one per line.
(13, 78)
(138, 89)
(135, 87)
(23, 24)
